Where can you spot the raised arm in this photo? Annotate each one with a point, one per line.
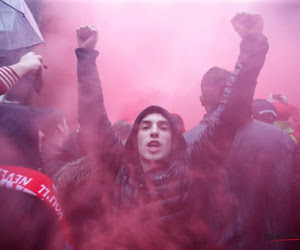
(96, 135)
(10, 75)
(235, 106)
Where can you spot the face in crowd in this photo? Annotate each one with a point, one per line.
(154, 138)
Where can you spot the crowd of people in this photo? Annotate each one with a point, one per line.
(231, 182)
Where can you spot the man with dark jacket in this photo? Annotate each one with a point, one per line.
(30, 214)
(27, 221)
(154, 190)
(259, 164)
(260, 173)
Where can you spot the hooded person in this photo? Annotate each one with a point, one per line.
(155, 164)
(155, 175)
(83, 177)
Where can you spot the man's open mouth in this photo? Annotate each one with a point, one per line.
(154, 146)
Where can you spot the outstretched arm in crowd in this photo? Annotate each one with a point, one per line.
(10, 75)
(208, 152)
(235, 105)
(96, 134)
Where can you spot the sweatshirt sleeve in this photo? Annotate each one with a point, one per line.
(8, 78)
(96, 135)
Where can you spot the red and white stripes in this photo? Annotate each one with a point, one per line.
(8, 78)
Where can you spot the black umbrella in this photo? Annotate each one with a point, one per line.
(18, 28)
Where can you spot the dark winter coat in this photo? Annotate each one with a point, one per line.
(260, 167)
(162, 198)
(260, 175)
(27, 222)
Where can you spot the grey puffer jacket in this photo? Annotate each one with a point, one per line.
(164, 198)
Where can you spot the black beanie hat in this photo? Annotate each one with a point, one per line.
(263, 110)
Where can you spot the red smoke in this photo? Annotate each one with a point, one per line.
(158, 53)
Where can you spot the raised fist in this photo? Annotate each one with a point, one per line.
(87, 37)
(245, 24)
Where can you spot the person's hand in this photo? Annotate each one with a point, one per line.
(32, 62)
(87, 37)
(29, 63)
(245, 24)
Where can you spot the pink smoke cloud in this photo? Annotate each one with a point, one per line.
(157, 53)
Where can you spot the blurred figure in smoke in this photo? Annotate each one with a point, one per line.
(52, 124)
(154, 191)
(19, 136)
(212, 86)
(15, 119)
(55, 140)
(85, 188)
(179, 123)
(14, 112)
(27, 222)
(122, 129)
(288, 116)
(259, 163)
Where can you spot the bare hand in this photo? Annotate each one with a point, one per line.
(87, 37)
(32, 62)
(29, 63)
(245, 24)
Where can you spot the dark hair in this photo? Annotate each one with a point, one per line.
(19, 136)
(48, 119)
(179, 123)
(216, 79)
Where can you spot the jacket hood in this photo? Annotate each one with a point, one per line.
(178, 143)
